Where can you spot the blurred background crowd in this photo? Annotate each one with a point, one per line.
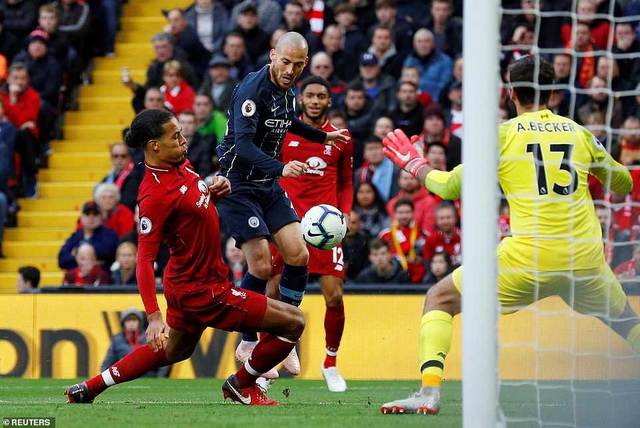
(391, 64)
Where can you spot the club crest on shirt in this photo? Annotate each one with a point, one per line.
(327, 150)
(145, 225)
(248, 108)
(254, 222)
(316, 165)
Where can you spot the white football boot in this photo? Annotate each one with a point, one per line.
(292, 362)
(335, 382)
(243, 352)
(425, 401)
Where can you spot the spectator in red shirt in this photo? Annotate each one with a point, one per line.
(114, 214)
(599, 28)
(88, 271)
(178, 94)
(583, 43)
(22, 106)
(447, 236)
(424, 203)
(406, 240)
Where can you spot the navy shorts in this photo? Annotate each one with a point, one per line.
(255, 209)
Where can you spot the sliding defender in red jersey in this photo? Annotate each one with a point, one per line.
(177, 207)
(328, 180)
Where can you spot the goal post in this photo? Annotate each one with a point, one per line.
(481, 45)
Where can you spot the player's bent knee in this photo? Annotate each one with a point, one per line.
(298, 258)
(261, 268)
(333, 298)
(444, 297)
(296, 324)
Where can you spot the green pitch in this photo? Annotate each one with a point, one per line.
(198, 403)
(308, 404)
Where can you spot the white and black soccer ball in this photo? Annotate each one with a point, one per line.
(323, 226)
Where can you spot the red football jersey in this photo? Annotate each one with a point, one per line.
(437, 241)
(329, 179)
(176, 207)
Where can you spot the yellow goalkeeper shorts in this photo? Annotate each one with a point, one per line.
(594, 292)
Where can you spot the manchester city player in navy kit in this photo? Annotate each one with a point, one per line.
(262, 112)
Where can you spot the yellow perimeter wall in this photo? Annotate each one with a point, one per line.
(546, 341)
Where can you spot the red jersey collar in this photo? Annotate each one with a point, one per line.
(185, 166)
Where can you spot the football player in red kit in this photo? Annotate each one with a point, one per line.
(328, 180)
(177, 207)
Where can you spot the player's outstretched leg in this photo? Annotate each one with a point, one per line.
(258, 258)
(293, 281)
(179, 346)
(441, 305)
(332, 289)
(284, 325)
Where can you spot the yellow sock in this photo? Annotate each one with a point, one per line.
(436, 329)
(634, 338)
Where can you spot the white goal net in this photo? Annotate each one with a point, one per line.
(555, 367)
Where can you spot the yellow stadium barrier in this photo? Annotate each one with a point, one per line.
(67, 336)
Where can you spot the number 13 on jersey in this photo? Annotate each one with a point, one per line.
(565, 165)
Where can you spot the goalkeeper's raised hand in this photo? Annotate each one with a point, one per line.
(399, 148)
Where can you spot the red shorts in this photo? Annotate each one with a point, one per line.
(321, 262)
(221, 306)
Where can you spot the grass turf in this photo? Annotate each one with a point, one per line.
(198, 403)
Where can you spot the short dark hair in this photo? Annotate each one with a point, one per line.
(377, 243)
(18, 66)
(385, 3)
(372, 140)
(232, 34)
(345, 8)
(447, 257)
(524, 71)
(337, 113)
(403, 201)
(30, 274)
(315, 80)
(294, 3)
(447, 205)
(187, 113)
(147, 126)
(436, 144)
(355, 86)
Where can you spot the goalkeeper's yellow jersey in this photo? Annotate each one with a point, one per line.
(545, 161)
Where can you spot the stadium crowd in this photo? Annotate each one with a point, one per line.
(390, 63)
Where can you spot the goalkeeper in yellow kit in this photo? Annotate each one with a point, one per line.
(556, 247)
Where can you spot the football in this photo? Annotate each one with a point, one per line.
(323, 226)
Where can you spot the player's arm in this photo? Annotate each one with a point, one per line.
(315, 135)
(400, 149)
(345, 180)
(246, 113)
(153, 214)
(446, 184)
(608, 171)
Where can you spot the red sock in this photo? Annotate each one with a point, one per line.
(333, 327)
(268, 353)
(135, 364)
